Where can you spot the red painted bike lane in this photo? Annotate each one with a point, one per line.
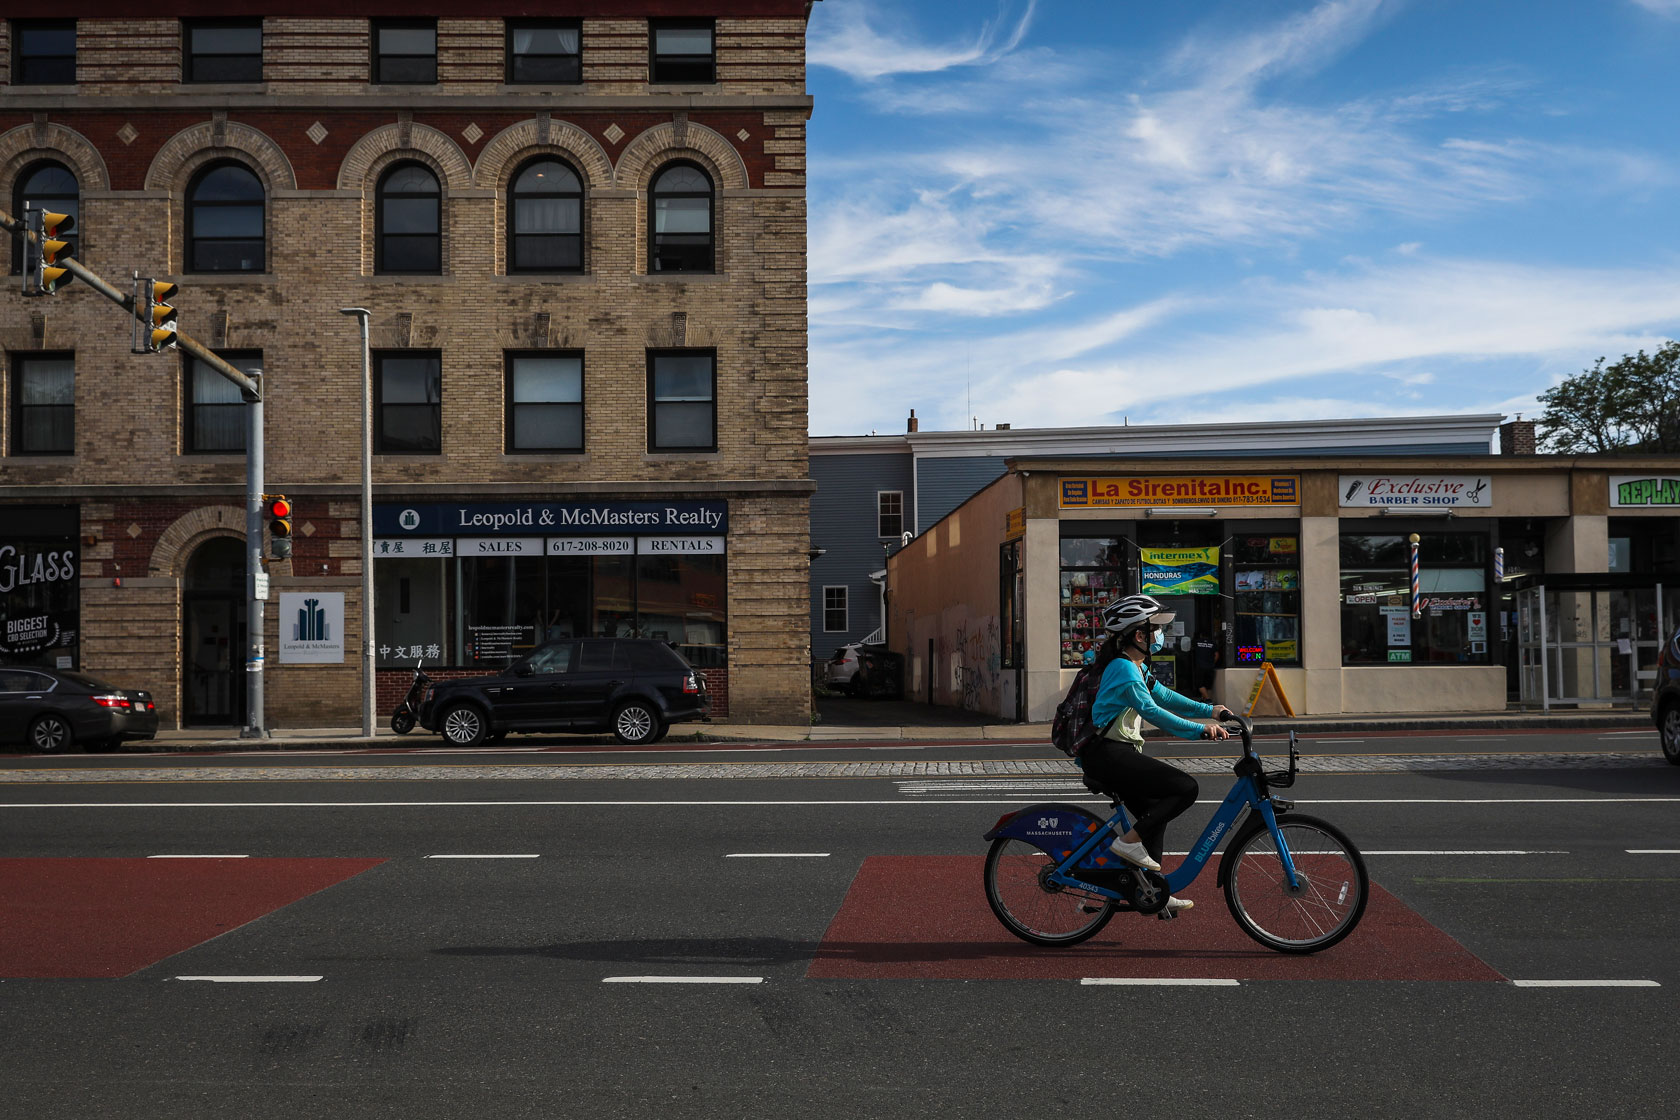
(74, 918)
(926, 918)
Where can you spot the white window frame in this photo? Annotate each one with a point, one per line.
(880, 513)
(845, 608)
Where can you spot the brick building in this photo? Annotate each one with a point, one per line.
(580, 230)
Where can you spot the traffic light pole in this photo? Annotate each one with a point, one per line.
(254, 567)
(251, 391)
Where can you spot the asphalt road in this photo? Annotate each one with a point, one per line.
(848, 965)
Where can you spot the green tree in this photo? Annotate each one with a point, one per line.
(1630, 406)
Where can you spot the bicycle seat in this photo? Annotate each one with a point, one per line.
(1097, 788)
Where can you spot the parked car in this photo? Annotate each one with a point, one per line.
(1665, 701)
(634, 687)
(53, 709)
(843, 666)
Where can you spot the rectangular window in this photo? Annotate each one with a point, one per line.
(1266, 594)
(405, 51)
(222, 51)
(216, 422)
(544, 402)
(408, 412)
(546, 52)
(889, 513)
(1378, 626)
(1093, 573)
(44, 52)
(43, 404)
(681, 51)
(834, 610)
(682, 400)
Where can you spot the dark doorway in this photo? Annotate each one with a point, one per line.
(213, 635)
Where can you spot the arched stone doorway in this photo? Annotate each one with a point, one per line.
(213, 635)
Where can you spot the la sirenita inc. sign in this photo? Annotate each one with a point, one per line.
(1645, 491)
(1415, 491)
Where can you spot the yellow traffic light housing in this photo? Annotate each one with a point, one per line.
(279, 526)
(154, 318)
(43, 247)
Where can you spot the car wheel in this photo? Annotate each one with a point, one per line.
(636, 723)
(1670, 731)
(463, 726)
(50, 735)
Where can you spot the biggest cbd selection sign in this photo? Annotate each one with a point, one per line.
(1645, 491)
(38, 607)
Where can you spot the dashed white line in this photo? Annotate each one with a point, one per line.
(682, 979)
(776, 855)
(1159, 981)
(515, 855)
(1586, 984)
(1469, 852)
(1653, 851)
(254, 979)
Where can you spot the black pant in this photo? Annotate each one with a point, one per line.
(1152, 791)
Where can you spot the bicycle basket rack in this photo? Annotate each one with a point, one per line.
(1283, 779)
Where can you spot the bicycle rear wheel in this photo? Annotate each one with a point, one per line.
(1030, 906)
(1325, 906)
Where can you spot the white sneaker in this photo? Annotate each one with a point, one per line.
(1174, 906)
(1134, 853)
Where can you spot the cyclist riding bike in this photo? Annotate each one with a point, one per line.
(1152, 791)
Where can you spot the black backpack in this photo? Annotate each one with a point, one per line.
(1072, 729)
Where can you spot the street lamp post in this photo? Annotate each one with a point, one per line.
(363, 314)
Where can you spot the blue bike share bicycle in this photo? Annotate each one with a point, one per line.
(1294, 883)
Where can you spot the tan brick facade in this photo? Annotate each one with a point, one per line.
(134, 136)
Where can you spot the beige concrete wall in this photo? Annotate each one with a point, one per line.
(943, 588)
(1424, 688)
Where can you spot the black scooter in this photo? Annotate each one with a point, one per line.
(403, 719)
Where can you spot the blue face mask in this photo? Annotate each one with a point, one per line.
(1157, 642)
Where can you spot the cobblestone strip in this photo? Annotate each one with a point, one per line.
(1056, 767)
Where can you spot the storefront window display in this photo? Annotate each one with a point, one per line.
(1378, 627)
(1266, 593)
(40, 587)
(1093, 575)
(487, 612)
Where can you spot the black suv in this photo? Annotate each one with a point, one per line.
(635, 687)
(1665, 703)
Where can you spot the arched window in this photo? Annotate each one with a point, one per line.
(225, 220)
(46, 186)
(408, 232)
(680, 220)
(545, 218)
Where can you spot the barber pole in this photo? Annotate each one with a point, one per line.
(1499, 565)
(1417, 582)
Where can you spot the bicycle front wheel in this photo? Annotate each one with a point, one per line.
(1031, 907)
(1325, 904)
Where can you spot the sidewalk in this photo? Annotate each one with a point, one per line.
(889, 721)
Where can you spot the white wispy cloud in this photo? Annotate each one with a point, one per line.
(850, 37)
(1669, 8)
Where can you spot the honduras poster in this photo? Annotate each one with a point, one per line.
(1180, 571)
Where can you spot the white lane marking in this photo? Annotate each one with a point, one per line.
(776, 855)
(530, 855)
(1613, 734)
(1471, 852)
(682, 979)
(1483, 739)
(196, 857)
(254, 979)
(1159, 981)
(1338, 740)
(1586, 984)
(1653, 851)
(943, 803)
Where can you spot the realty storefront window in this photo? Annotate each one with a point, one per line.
(1093, 574)
(1266, 594)
(1378, 624)
(485, 612)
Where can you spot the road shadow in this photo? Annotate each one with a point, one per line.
(1659, 779)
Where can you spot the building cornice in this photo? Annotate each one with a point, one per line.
(25, 99)
(546, 491)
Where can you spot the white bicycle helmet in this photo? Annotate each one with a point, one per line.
(1125, 615)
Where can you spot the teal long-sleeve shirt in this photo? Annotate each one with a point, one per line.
(1123, 696)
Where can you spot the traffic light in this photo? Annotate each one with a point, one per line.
(41, 276)
(158, 318)
(279, 527)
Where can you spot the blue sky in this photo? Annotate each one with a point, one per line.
(1075, 212)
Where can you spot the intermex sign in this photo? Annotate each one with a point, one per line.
(1187, 490)
(1634, 491)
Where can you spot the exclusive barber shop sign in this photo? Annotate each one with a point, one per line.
(546, 519)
